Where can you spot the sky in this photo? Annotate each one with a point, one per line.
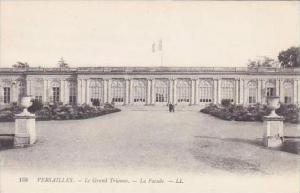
(121, 33)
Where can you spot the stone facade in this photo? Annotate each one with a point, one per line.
(149, 85)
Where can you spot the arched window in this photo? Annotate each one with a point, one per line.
(55, 91)
(6, 91)
(288, 92)
(72, 93)
(118, 90)
(227, 89)
(183, 91)
(270, 86)
(139, 91)
(96, 92)
(252, 90)
(161, 90)
(205, 92)
(39, 90)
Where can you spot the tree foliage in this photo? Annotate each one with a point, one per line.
(20, 65)
(290, 57)
(263, 61)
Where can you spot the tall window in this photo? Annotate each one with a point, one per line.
(118, 90)
(161, 91)
(288, 92)
(252, 98)
(72, 93)
(227, 89)
(139, 91)
(6, 95)
(205, 92)
(270, 88)
(183, 91)
(38, 91)
(96, 91)
(56, 93)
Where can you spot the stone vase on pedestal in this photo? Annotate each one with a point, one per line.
(273, 125)
(25, 132)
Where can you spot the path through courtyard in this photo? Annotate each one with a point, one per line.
(184, 141)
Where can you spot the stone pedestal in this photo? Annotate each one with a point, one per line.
(25, 132)
(273, 131)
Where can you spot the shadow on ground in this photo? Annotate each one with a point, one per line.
(238, 154)
(6, 142)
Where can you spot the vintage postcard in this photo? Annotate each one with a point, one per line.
(148, 97)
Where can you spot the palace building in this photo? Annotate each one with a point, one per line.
(149, 85)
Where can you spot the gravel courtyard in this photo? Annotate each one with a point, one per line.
(184, 141)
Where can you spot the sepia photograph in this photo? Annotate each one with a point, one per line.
(149, 96)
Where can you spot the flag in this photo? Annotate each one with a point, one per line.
(153, 47)
(160, 45)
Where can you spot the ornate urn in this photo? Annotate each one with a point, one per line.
(26, 102)
(273, 103)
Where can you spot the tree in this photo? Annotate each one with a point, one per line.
(290, 57)
(262, 61)
(62, 63)
(21, 65)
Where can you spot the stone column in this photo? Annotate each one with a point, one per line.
(281, 94)
(105, 87)
(277, 90)
(175, 91)
(153, 91)
(242, 95)
(148, 92)
(215, 85)
(87, 92)
(295, 92)
(170, 91)
(196, 91)
(66, 92)
(61, 94)
(237, 101)
(79, 98)
(109, 98)
(219, 91)
(263, 91)
(127, 92)
(298, 91)
(131, 91)
(192, 101)
(259, 88)
(14, 93)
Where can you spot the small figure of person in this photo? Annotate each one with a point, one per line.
(173, 108)
(170, 107)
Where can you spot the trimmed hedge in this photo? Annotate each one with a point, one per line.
(251, 113)
(58, 112)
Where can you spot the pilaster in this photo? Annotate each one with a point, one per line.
(170, 91)
(296, 92)
(237, 100)
(196, 91)
(148, 92)
(281, 94)
(242, 92)
(215, 91)
(87, 92)
(153, 91)
(259, 89)
(175, 91)
(277, 90)
(219, 91)
(79, 95)
(192, 101)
